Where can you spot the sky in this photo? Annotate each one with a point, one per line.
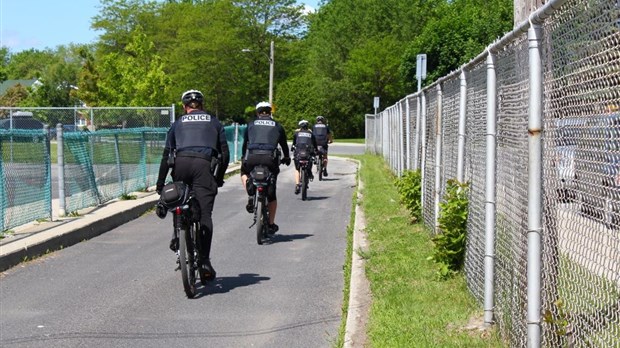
(41, 24)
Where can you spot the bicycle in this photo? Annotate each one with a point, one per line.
(305, 175)
(178, 198)
(259, 184)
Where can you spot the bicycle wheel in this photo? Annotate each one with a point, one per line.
(304, 184)
(259, 221)
(186, 258)
(319, 168)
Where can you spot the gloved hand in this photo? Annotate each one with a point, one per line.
(220, 182)
(159, 187)
(293, 148)
(287, 161)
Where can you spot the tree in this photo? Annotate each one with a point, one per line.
(134, 77)
(457, 33)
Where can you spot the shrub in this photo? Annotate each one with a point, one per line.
(449, 250)
(409, 186)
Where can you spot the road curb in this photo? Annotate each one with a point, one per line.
(359, 289)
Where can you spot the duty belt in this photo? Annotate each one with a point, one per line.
(194, 154)
(260, 152)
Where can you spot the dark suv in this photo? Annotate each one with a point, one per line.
(21, 120)
(597, 168)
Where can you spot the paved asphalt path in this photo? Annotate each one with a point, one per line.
(120, 289)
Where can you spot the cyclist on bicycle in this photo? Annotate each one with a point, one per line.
(260, 142)
(323, 137)
(304, 145)
(194, 140)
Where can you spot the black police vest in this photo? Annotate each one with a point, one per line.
(196, 132)
(320, 133)
(304, 139)
(263, 134)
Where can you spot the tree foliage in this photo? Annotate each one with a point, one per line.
(331, 63)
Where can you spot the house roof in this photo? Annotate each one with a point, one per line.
(4, 86)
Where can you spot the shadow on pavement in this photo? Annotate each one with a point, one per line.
(223, 285)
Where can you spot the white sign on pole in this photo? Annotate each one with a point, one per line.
(376, 103)
(420, 68)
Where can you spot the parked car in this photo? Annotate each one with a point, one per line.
(597, 168)
(21, 120)
(564, 135)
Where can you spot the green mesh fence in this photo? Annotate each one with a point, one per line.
(25, 193)
(97, 166)
(235, 132)
(104, 165)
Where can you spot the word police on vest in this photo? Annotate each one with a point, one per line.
(304, 135)
(196, 118)
(265, 123)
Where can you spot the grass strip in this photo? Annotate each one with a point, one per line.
(410, 307)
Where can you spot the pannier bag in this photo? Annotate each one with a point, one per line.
(303, 153)
(174, 194)
(260, 173)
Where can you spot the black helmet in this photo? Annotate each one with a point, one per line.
(263, 108)
(192, 95)
(320, 119)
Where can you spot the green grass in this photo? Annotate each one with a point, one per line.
(410, 307)
(355, 141)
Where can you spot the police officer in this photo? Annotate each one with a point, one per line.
(323, 136)
(260, 142)
(195, 140)
(304, 142)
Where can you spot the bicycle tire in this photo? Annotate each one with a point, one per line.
(304, 184)
(260, 221)
(186, 253)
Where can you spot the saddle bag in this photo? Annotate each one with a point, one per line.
(260, 173)
(174, 194)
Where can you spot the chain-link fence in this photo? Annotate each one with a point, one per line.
(532, 124)
(81, 118)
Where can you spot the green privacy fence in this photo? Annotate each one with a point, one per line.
(25, 193)
(234, 135)
(92, 168)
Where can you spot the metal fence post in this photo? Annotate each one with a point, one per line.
(423, 139)
(416, 143)
(534, 216)
(119, 170)
(489, 243)
(60, 149)
(236, 146)
(401, 138)
(438, 138)
(460, 166)
(408, 133)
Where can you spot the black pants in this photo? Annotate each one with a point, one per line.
(197, 172)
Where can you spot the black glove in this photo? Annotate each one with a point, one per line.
(220, 182)
(159, 187)
(287, 161)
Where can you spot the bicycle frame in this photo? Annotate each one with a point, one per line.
(186, 230)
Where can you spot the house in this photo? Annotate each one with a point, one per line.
(6, 85)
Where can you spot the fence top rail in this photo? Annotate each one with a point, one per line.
(83, 107)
